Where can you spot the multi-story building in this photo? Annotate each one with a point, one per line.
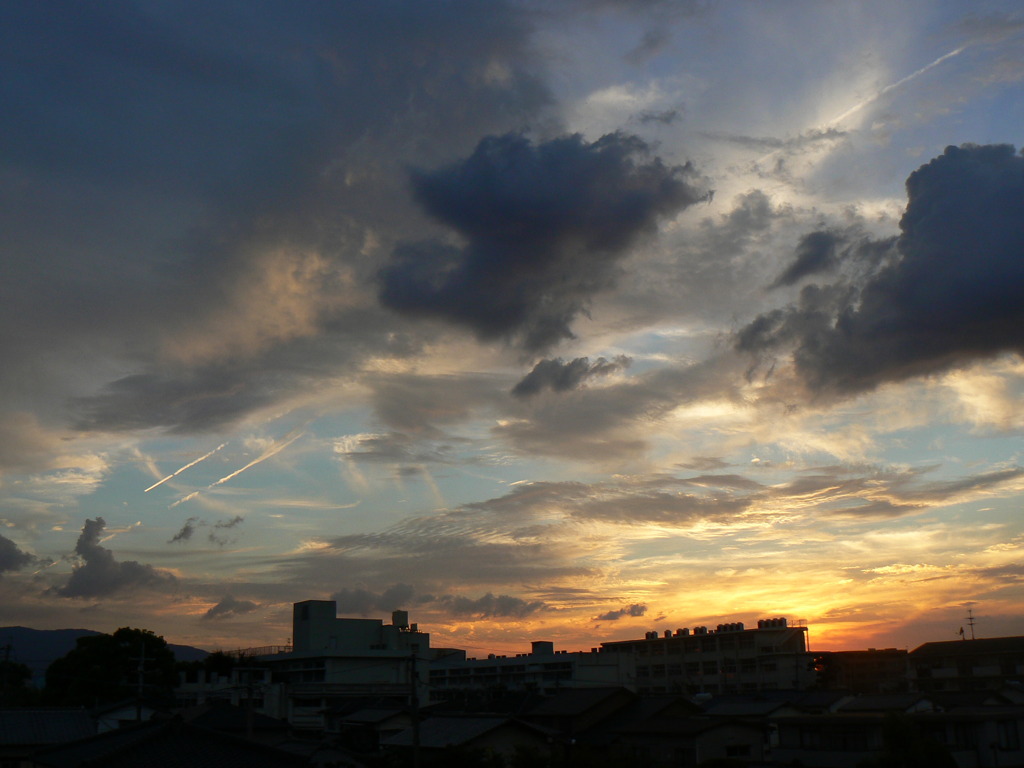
(967, 665)
(543, 670)
(876, 670)
(727, 659)
(332, 659)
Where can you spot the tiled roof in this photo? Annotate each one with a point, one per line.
(167, 744)
(575, 701)
(38, 727)
(982, 645)
(441, 732)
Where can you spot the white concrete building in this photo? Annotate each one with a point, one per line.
(727, 659)
(542, 669)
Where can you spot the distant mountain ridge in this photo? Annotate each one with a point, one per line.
(38, 648)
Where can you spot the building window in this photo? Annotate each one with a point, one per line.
(810, 738)
(964, 736)
(1009, 736)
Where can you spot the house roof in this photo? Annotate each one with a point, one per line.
(813, 701)
(352, 704)
(960, 699)
(42, 726)
(371, 716)
(575, 701)
(166, 744)
(128, 705)
(984, 645)
(884, 702)
(441, 732)
(222, 716)
(685, 726)
(635, 712)
(745, 708)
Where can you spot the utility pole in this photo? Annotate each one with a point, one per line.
(245, 674)
(6, 674)
(139, 683)
(414, 702)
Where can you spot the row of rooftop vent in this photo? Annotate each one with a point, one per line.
(736, 626)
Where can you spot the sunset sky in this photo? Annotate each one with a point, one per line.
(548, 319)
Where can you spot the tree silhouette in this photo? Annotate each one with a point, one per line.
(104, 669)
(15, 690)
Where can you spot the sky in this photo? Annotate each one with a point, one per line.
(540, 319)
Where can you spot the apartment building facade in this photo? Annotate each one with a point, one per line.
(542, 670)
(727, 659)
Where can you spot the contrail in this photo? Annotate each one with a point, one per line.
(114, 532)
(857, 107)
(835, 121)
(271, 451)
(184, 499)
(187, 466)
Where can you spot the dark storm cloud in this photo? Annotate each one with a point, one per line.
(943, 490)
(230, 607)
(665, 117)
(665, 508)
(421, 404)
(99, 574)
(634, 610)
(152, 151)
(771, 143)
(197, 402)
(952, 296)
(606, 424)
(185, 534)
(826, 250)
(395, 447)
(544, 227)
(560, 376)
(816, 253)
(363, 602)
(652, 43)
(215, 536)
(704, 463)
(876, 509)
(11, 557)
(492, 606)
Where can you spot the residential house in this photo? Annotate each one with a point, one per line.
(500, 736)
(25, 730)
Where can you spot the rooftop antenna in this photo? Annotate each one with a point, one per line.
(970, 621)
